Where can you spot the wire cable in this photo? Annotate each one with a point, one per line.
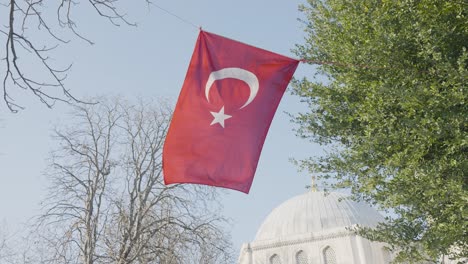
(186, 21)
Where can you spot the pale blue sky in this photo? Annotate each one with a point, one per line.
(151, 61)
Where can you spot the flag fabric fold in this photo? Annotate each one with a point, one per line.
(228, 99)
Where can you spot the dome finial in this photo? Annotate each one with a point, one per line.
(313, 186)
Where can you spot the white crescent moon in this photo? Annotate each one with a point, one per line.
(236, 73)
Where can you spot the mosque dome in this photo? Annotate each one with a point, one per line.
(316, 212)
(314, 228)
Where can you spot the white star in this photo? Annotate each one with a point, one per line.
(219, 117)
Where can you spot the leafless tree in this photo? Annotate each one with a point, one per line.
(7, 250)
(3, 246)
(33, 30)
(108, 202)
(80, 171)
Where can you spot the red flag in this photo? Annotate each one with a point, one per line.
(228, 99)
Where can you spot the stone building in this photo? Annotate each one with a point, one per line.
(313, 228)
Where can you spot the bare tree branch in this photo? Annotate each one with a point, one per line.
(108, 200)
(21, 49)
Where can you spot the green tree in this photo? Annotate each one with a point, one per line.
(392, 111)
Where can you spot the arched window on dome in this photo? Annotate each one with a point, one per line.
(329, 256)
(275, 259)
(301, 257)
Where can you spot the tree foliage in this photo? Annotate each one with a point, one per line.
(392, 111)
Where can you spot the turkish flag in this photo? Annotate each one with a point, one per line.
(228, 99)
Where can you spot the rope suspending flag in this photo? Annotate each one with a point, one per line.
(228, 99)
